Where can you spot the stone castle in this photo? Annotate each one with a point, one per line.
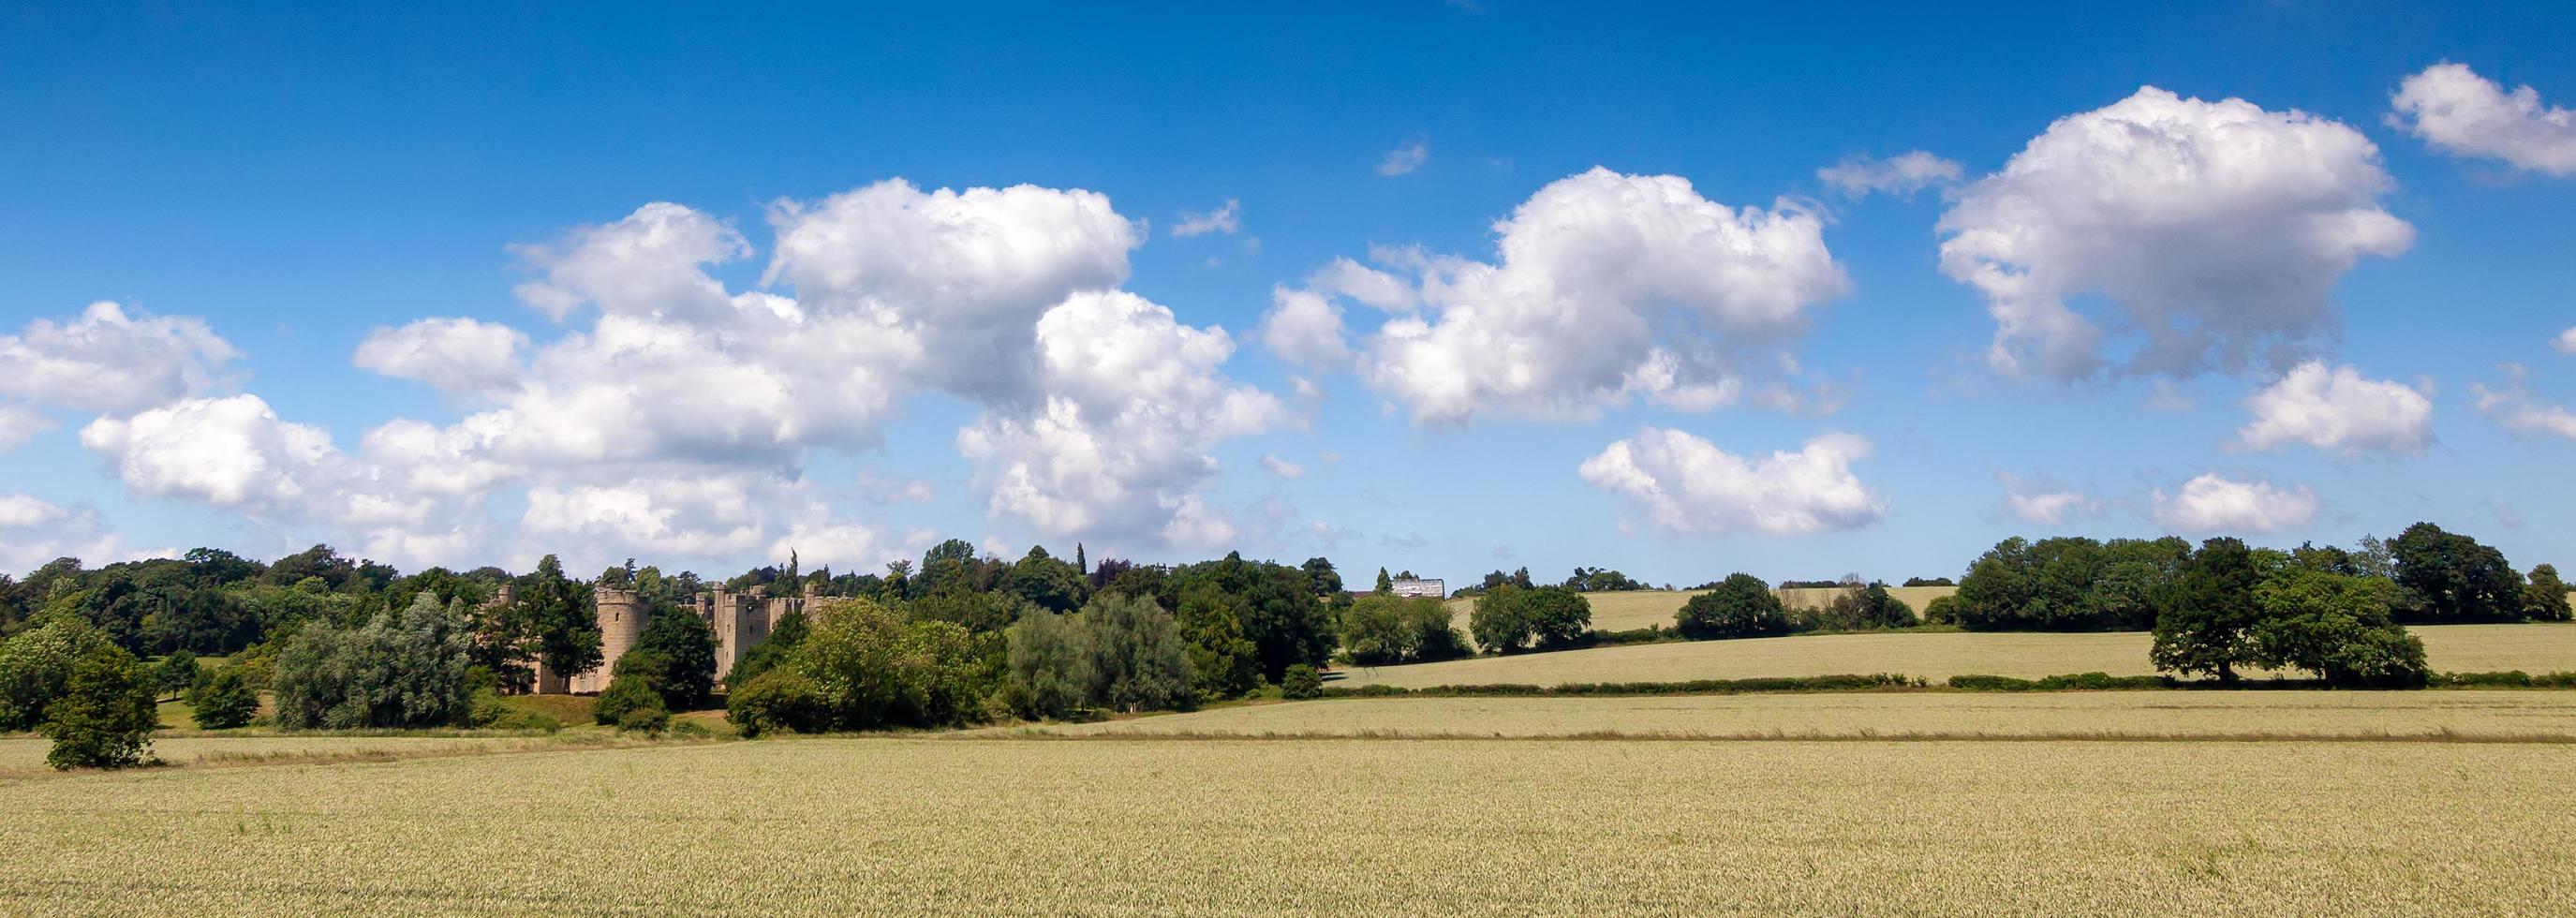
(741, 621)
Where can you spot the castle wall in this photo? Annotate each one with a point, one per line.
(740, 621)
(621, 625)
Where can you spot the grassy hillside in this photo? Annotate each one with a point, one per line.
(2465, 648)
(1317, 827)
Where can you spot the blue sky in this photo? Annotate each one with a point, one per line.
(294, 182)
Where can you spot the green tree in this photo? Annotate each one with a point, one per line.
(1301, 682)
(874, 668)
(1281, 615)
(2451, 578)
(400, 670)
(1223, 663)
(1501, 620)
(1740, 606)
(2336, 626)
(779, 700)
(784, 635)
(1046, 582)
(2546, 598)
(224, 702)
(176, 673)
(1320, 573)
(36, 667)
(562, 629)
(1558, 617)
(2207, 622)
(1050, 665)
(106, 715)
(685, 646)
(1139, 660)
(1385, 584)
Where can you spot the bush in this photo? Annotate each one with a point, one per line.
(1301, 683)
(1833, 683)
(626, 693)
(2097, 682)
(106, 714)
(645, 718)
(401, 670)
(224, 702)
(1740, 606)
(781, 699)
(1942, 610)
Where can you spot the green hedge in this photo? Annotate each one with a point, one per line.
(2072, 682)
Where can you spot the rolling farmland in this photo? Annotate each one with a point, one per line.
(1627, 610)
(923, 825)
(2463, 648)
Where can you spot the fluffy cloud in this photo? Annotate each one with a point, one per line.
(1901, 175)
(2215, 228)
(229, 452)
(2519, 411)
(2042, 502)
(694, 517)
(1406, 156)
(19, 424)
(1687, 485)
(451, 355)
(2452, 107)
(2565, 343)
(1118, 446)
(1227, 220)
(1606, 286)
(2214, 504)
(110, 363)
(2337, 410)
(1305, 327)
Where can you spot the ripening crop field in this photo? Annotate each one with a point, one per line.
(2465, 714)
(1935, 656)
(927, 825)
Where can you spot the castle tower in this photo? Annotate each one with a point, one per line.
(621, 625)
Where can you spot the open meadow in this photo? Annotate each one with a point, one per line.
(1934, 656)
(926, 824)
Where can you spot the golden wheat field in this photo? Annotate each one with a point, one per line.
(943, 825)
(2533, 716)
(1936, 656)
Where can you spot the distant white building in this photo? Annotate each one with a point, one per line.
(1435, 589)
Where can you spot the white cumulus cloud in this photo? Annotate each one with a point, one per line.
(19, 424)
(1605, 286)
(1685, 484)
(108, 362)
(2450, 106)
(451, 355)
(2216, 229)
(2336, 409)
(2211, 503)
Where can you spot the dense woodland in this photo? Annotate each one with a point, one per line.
(958, 637)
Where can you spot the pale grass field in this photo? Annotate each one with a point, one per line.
(23, 754)
(2464, 714)
(1314, 827)
(1935, 656)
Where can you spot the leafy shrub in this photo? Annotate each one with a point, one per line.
(224, 702)
(1741, 606)
(689, 729)
(2075, 682)
(106, 714)
(1942, 610)
(645, 718)
(1832, 683)
(781, 699)
(493, 711)
(1301, 683)
(626, 693)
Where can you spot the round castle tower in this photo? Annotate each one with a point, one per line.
(621, 625)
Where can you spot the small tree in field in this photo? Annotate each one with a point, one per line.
(2545, 599)
(2206, 625)
(1301, 683)
(106, 715)
(176, 673)
(224, 702)
(1740, 606)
